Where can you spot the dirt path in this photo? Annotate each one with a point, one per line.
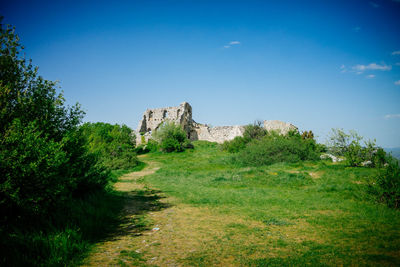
(140, 200)
(157, 230)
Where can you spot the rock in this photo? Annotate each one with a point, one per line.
(332, 157)
(366, 163)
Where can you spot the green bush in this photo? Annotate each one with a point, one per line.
(254, 131)
(274, 148)
(251, 132)
(339, 141)
(387, 185)
(348, 145)
(114, 144)
(150, 146)
(141, 149)
(235, 145)
(355, 154)
(171, 137)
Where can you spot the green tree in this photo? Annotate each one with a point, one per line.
(114, 144)
(43, 155)
(171, 137)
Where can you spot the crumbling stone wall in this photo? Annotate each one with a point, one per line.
(217, 134)
(280, 126)
(182, 115)
(153, 118)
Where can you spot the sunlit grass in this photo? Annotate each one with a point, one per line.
(316, 213)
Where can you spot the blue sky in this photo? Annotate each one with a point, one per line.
(316, 64)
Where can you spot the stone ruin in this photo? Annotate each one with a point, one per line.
(182, 115)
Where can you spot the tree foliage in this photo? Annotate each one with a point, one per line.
(172, 137)
(349, 145)
(43, 155)
(114, 144)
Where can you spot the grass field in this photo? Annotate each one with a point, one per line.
(210, 212)
(284, 214)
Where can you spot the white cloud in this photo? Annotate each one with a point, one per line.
(371, 66)
(374, 5)
(397, 82)
(371, 76)
(231, 43)
(234, 43)
(396, 53)
(392, 116)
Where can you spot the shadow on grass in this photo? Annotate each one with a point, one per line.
(133, 220)
(69, 234)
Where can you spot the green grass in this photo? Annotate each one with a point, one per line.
(316, 213)
(115, 174)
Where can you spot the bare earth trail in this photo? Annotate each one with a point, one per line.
(178, 234)
(158, 230)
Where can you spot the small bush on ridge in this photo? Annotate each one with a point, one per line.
(254, 131)
(171, 137)
(349, 145)
(274, 148)
(251, 132)
(387, 185)
(235, 145)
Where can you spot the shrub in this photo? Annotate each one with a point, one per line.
(348, 145)
(368, 155)
(141, 149)
(234, 145)
(152, 145)
(254, 131)
(354, 154)
(171, 137)
(307, 135)
(274, 148)
(387, 185)
(251, 132)
(114, 144)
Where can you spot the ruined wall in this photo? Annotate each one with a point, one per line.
(218, 134)
(153, 118)
(182, 115)
(280, 126)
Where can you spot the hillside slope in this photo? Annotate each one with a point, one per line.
(215, 213)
